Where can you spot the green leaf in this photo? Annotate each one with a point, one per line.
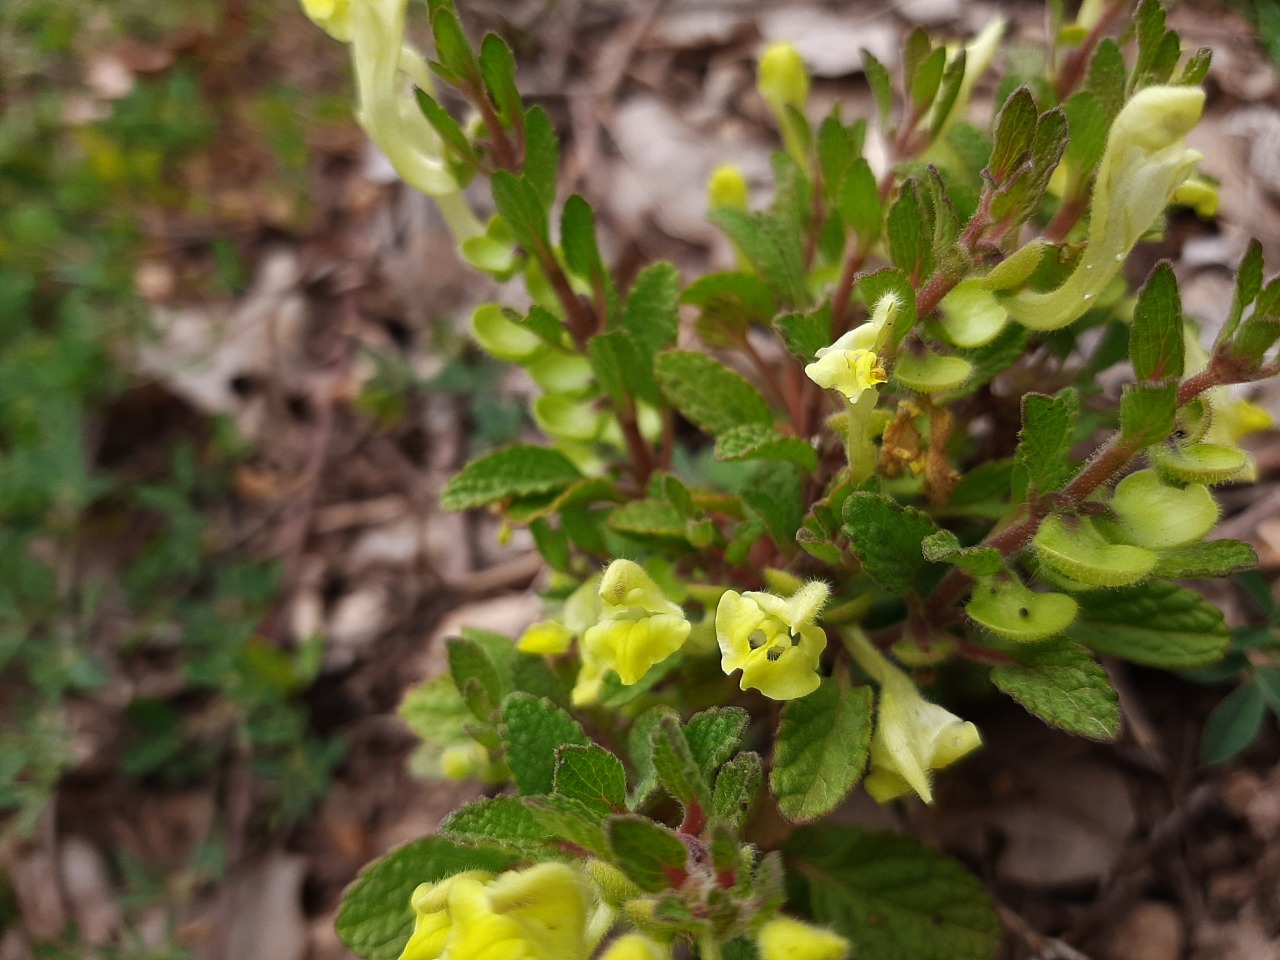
(1155, 341)
(651, 314)
(621, 368)
(1157, 624)
(770, 246)
(910, 232)
(1062, 684)
(1088, 123)
(805, 333)
(654, 518)
(758, 441)
(1108, 76)
(498, 68)
(678, 771)
(729, 304)
(893, 897)
(1148, 412)
(1197, 67)
(375, 919)
(445, 126)
(1248, 286)
(1213, 558)
(886, 537)
(736, 787)
(1015, 130)
(640, 749)
(592, 775)
(514, 472)
(860, 202)
(1234, 723)
(578, 239)
(835, 153)
(520, 206)
(881, 86)
(505, 821)
(821, 750)
(1012, 610)
(708, 393)
(1043, 462)
(569, 821)
(927, 78)
(776, 496)
(541, 159)
(944, 547)
(475, 676)
(713, 736)
(948, 94)
(452, 49)
(649, 853)
(532, 730)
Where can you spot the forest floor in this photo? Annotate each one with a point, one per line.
(298, 294)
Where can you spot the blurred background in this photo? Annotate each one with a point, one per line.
(234, 376)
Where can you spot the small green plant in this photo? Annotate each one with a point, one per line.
(758, 556)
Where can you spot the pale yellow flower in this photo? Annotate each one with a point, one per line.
(534, 914)
(784, 938)
(775, 642)
(638, 627)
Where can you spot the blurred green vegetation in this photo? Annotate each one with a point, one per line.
(72, 193)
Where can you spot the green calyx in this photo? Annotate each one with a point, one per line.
(1077, 550)
(1158, 516)
(1207, 463)
(1010, 609)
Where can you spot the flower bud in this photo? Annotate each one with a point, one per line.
(545, 638)
(783, 80)
(727, 188)
(636, 946)
(464, 761)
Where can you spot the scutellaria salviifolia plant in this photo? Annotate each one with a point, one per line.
(734, 622)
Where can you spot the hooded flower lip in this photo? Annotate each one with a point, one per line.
(638, 626)
(851, 370)
(773, 641)
(534, 914)
(784, 938)
(912, 736)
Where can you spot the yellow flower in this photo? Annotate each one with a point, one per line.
(534, 914)
(636, 946)
(331, 16)
(912, 735)
(1146, 161)
(783, 938)
(1234, 418)
(638, 625)
(774, 642)
(850, 371)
